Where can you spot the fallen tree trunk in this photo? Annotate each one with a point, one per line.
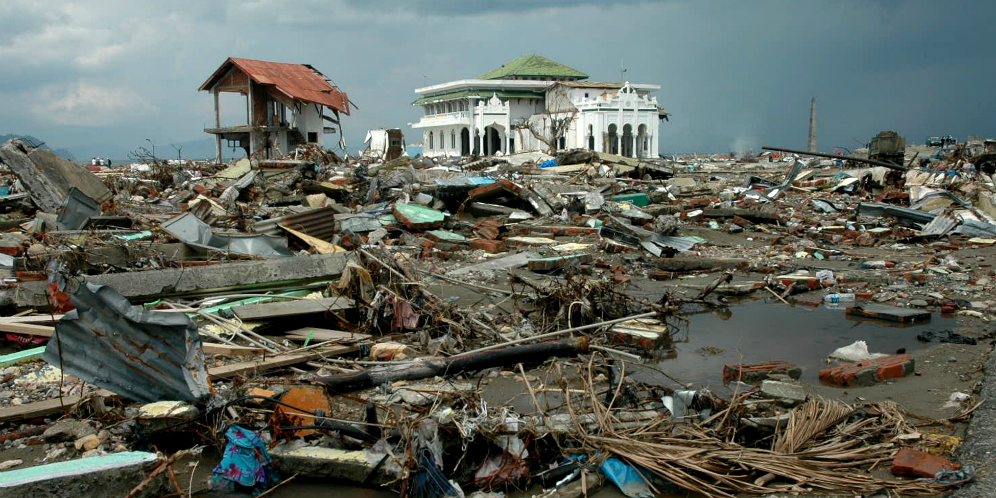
(468, 362)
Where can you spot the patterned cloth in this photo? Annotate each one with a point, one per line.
(245, 463)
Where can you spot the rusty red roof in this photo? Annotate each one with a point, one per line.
(297, 81)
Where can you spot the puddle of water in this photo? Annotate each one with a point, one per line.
(759, 332)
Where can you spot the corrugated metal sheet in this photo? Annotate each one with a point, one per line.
(194, 232)
(297, 81)
(907, 214)
(940, 225)
(681, 244)
(318, 223)
(139, 354)
(973, 228)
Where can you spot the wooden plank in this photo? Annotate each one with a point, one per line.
(47, 407)
(36, 319)
(229, 350)
(320, 245)
(277, 361)
(322, 335)
(28, 329)
(265, 311)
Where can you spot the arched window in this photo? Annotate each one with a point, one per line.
(453, 139)
(431, 146)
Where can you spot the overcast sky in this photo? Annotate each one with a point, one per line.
(111, 73)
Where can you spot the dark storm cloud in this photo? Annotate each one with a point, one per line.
(734, 74)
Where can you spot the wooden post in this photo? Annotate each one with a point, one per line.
(217, 124)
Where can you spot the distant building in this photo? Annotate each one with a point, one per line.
(286, 105)
(534, 103)
(384, 144)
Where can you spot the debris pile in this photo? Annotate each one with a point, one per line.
(442, 327)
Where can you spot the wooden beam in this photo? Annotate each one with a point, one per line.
(229, 350)
(28, 329)
(36, 319)
(47, 407)
(266, 311)
(277, 361)
(323, 335)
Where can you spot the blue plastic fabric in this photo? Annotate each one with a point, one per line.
(549, 164)
(627, 478)
(245, 463)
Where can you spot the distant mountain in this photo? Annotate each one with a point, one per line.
(192, 149)
(30, 139)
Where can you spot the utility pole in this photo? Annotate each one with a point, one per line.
(812, 126)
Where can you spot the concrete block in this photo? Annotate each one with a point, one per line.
(757, 372)
(162, 414)
(556, 263)
(787, 393)
(320, 462)
(866, 373)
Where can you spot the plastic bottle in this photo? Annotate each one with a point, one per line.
(836, 298)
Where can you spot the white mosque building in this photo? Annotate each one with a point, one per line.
(509, 109)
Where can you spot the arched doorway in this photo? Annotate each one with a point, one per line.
(627, 141)
(464, 142)
(492, 140)
(591, 137)
(642, 145)
(612, 140)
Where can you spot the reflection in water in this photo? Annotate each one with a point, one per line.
(761, 332)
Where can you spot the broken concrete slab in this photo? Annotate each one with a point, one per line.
(786, 393)
(418, 217)
(505, 263)
(322, 462)
(558, 262)
(106, 475)
(48, 177)
(152, 284)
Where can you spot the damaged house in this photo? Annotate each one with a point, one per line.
(286, 105)
(534, 103)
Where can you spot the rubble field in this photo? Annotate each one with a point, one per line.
(526, 325)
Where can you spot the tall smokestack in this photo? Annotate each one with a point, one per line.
(812, 125)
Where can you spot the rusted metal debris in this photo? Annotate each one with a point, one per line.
(139, 354)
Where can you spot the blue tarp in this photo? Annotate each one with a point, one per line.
(549, 164)
(627, 478)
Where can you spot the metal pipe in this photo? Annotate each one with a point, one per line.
(876, 162)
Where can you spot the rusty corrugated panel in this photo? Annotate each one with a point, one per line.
(318, 223)
(139, 354)
(297, 81)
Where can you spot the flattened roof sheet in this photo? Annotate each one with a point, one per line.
(533, 65)
(297, 81)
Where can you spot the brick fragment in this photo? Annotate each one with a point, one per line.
(867, 373)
